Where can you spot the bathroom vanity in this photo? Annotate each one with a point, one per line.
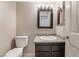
(54, 47)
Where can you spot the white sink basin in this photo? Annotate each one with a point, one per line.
(48, 37)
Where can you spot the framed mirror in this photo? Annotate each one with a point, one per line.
(61, 14)
(45, 18)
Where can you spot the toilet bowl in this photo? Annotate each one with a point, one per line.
(16, 52)
(21, 42)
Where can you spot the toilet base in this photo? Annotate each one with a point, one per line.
(16, 52)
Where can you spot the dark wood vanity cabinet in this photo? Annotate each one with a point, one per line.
(49, 49)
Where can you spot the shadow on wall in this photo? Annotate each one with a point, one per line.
(13, 44)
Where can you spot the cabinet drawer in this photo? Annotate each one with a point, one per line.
(43, 54)
(43, 48)
(58, 48)
(58, 44)
(57, 54)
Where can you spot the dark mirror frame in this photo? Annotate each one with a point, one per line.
(58, 23)
(51, 18)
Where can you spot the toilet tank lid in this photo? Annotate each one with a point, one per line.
(21, 37)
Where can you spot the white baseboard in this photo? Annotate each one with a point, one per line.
(29, 54)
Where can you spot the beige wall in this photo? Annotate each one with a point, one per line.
(26, 15)
(7, 25)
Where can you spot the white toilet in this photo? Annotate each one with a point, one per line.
(21, 42)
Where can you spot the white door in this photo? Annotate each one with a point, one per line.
(72, 28)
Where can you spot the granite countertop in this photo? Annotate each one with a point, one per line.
(38, 40)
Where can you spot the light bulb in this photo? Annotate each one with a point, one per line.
(61, 6)
(47, 6)
(42, 6)
(38, 6)
(51, 6)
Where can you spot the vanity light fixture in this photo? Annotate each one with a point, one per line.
(43, 6)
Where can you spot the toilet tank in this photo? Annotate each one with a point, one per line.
(21, 41)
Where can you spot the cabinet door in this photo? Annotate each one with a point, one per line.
(43, 54)
(57, 54)
(58, 48)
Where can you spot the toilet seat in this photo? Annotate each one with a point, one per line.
(16, 52)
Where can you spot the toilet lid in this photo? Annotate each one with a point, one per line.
(16, 52)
